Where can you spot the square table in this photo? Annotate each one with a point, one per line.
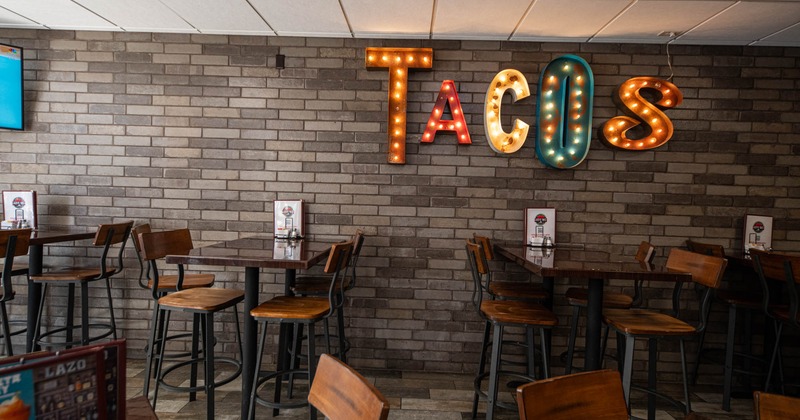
(253, 254)
(593, 266)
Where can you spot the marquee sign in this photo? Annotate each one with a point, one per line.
(563, 110)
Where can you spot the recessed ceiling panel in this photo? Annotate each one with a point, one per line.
(643, 21)
(234, 17)
(395, 19)
(477, 19)
(58, 14)
(576, 20)
(10, 19)
(308, 18)
(744, 23)
(138, 15)
(787, 37)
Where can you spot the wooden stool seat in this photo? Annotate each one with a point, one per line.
(69, 274)
(645, 322)
(579, 296)
(784, 314)
(292, 307)
(517, 290)
(202, 299)
(518, 312)
(190, 281)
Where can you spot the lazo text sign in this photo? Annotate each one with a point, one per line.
(563, 109)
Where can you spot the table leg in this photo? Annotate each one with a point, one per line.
(285, 336)
(250, 336)
(548, 284)
(35, 258)
(594, 318)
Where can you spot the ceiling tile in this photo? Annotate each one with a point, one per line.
(234, 17)
(576, 21)
(744, 23)
(477, 19)
(9, 19)
(406, 19)
(644, 20)
(786, 37)
(58, 14)
(139, 15)
(306, 18)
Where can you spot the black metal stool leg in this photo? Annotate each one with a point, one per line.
(6, 330)
(481, 366)
(162, 350)
(312, 367)
(627, 370)
(208, 353)
(195, 355)
(497, 344)
(778, 329)
(698, 356)
(652, 371)
(573, 332)
(530, 350)
(151, 348)
(685, 378)
(259, 356)
(729, 344)
(84, 313)
(111, 309)
(545, 355)
(70, 313)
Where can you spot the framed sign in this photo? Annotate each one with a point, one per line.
(757, 232)
(19, 207)
(288, 217)
(540, 224)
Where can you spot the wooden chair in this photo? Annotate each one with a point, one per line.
(735, 300)
(514, 290)
(299, 310)
(317, 285)
(578, 298)
(775, 407)
(166, 284)
(587, 395)
(108, 235)
(499, 314)
(341, 393)
(706, 272)
(784, 268)
(13, 243)
(202, 302)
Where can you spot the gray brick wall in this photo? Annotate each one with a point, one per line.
(201, 131)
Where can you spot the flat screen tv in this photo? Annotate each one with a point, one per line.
(11, 87)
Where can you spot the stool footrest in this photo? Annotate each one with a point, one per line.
(277, 376)
(678, 404)
(77, 342)
(485, 396)
(176, 388)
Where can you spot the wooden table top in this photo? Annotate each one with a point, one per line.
(257, 251)
(575, 262)
(54, 234)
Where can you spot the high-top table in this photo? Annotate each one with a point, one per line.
(39, 238)
(593, 266)
(253, 254)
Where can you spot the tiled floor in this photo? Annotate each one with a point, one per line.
(412, 395)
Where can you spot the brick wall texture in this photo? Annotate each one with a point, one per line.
(203, 132)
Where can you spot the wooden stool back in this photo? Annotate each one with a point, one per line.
(157, 245)
(595, 395)
(341, 393)
(775, 407)
(646, 252)
(706, 270)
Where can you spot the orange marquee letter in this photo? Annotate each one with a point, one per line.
(398, 60)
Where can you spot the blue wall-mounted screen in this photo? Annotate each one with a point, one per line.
(11, 87)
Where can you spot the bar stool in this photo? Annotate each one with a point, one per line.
(166, 284)
(13, 243)
(310, 285)
(201, 302)
(107, 235)
(785, 268)
(514, 290)
(299, 310)
(706, 272)
(749, 301)
(578, 297)
(499, 314)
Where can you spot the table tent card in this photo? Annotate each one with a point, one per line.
(289, 217)
(757, 232)
(19, 209)
(540, 226)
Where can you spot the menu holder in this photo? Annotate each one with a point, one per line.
(19, 209)
(541, 256)
(757, 233)
(84, 382)
(540, 226)
(288, 218)
(285, 249)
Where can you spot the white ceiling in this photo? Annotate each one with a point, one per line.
(707, 22)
